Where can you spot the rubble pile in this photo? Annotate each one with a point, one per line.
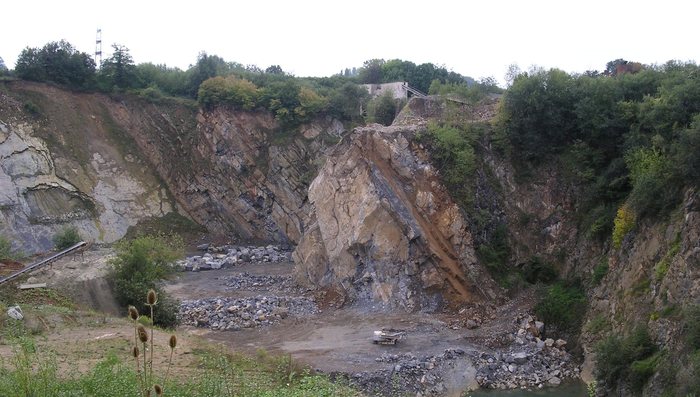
(230, 314)
(231, 255)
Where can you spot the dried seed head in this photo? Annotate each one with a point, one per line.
(143, 334)
(151, 298)
(172, 342)
(133, 313)
(148, 393)
(159, 390)
(135, 351)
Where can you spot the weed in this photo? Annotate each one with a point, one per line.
(599, 324)
(641, 288)
(670, 310)
(600, 271)
(665, 263)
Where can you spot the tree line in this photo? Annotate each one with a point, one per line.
(633, 138)
(213, 81)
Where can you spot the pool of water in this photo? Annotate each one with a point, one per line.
(566, 389)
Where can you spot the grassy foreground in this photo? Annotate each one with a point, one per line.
(57, 350)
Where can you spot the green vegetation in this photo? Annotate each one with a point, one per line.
(214, 81)
(420, 77)
(66, 238)
(58, 62)
(632, 359)
(453, 156)
(463, 91)
(641, 288)
(495, 255)
(537, 270)
(692, 328)
(599, 324)
(139, 264)
(562, 306)
(6, 248)
(665, 263)
(32, 107)
(383, 109)
(600, 271)
(624, 223)
(632, 139)
(32, 371)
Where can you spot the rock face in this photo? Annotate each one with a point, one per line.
(104, 163)
(41, 190)
(383, 229)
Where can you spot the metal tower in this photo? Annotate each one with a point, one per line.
(98, 48)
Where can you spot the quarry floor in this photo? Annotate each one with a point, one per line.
(340, 339)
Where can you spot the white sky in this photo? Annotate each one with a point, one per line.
(320, 38)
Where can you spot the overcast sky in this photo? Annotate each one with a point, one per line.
(320, 38)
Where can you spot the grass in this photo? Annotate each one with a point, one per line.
(665, 263)
(31, 371)
(641, 288)
(600, 271)
(599, 324)
(74, 360)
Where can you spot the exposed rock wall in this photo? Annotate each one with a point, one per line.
(42, 191)
(103, 163)
(384, 230)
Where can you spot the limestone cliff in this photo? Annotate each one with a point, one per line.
(104, 163)
(93, 187)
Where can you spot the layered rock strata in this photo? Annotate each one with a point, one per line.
(383, 229)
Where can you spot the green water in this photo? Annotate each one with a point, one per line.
(566, 389)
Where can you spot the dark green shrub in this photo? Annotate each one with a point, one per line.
(641, 371)
(563, 305)
(32, 107)
(5, 248)
(600, 271)
(631, 359)
(610, 361)
(383, 109)
(669, 311)
(67, 237)
(138, 265)
(639, 345)
(495, 255)
(538, 270)
(692, 327)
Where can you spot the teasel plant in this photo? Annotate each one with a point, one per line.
(144, 361)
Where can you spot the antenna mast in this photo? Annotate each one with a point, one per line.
(98, 48)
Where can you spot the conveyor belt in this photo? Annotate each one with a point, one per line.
(46, 261)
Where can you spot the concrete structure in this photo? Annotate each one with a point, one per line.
(399, 89)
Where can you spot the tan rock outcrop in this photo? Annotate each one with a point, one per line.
(384, 230)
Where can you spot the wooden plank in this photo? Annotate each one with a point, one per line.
(32, 286)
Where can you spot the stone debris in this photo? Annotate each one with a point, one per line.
(231, 314)
(262, 283)
(528, 362)
(231, 255)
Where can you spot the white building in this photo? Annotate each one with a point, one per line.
(398, 88)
